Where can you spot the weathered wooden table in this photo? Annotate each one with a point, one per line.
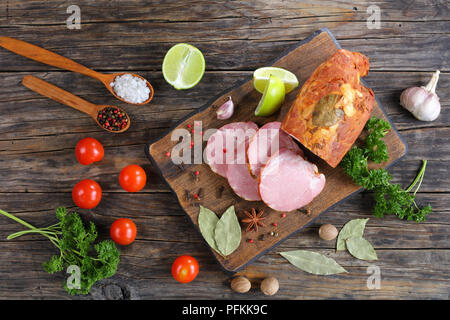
(37, 139)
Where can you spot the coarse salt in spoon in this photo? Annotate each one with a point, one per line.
(113, 82)
(102, 114)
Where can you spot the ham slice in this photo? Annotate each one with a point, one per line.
(288, 182)
(226, 155)
(238, 176)
(268, 140)
(242, 183)
(222, 147)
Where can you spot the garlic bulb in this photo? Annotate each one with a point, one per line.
(422, 102)
(226, 110)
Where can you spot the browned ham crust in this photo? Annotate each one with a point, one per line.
(332, 107)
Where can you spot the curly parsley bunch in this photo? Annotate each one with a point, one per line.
(389, 198)
(76, 247)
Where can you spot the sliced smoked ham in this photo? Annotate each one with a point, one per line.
(222, 147)
(268, 140)
(242, 183)
(238, 176)
(288, 182)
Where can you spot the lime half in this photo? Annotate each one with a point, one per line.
(183, 66)
(272, 98)
(261, 76)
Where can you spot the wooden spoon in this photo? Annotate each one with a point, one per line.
(44, 56)
(46, 89)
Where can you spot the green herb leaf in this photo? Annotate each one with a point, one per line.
(313, 262)
(360, 248)
(389, 198)
(376, 148)
(353, 228)
(75, 243)
(207, 221)
(228, 232)
(55, 264)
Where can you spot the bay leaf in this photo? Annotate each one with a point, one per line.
(360, 248)
(207, 221)
(228, 232)
(313, 262)
(353, 228)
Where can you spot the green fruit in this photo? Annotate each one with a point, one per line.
(272, 98)
(183, 66)
(261, 77)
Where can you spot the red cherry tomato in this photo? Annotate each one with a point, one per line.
(185, 269)
(132, 178)
(89, 150)
(123, 231)
(87, 194)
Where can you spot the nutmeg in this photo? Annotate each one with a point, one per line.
(328, 232)
(270, 286)
(240, 284)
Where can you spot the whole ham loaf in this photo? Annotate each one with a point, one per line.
(332, 107)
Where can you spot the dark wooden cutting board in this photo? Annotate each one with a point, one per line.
(302, 60)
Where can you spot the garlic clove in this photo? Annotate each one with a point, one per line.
(422, 102)
(412, 98)
(431, 108)
(226, 110)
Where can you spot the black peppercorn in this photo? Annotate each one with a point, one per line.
(107, 119)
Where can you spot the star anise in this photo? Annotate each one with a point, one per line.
(254, 219)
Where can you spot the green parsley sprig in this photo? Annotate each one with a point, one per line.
(75, 243)
(389, 198)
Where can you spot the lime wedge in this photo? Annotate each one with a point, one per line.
(261, 76)
(272, 98)
(183, 66)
